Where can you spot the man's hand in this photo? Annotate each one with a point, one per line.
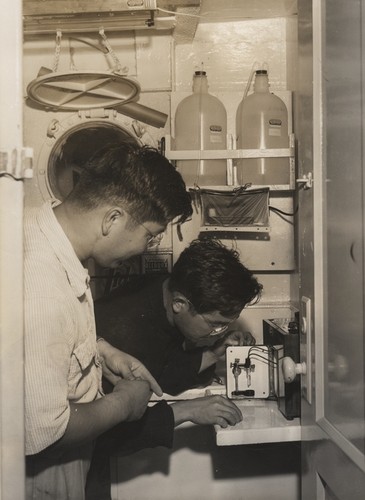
(207, 410)
(117, 364)
(212, 354)
(235, 337)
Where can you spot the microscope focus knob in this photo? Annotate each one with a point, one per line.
(291, 369)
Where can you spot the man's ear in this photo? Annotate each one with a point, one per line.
(179, 303)
(110, 217)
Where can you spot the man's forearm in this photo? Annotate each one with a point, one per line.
(89, 420)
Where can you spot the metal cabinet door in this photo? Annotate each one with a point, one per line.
(333, 429)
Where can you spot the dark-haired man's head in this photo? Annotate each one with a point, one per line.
(210, 287)
(127, 194)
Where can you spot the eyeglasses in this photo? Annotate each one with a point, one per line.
(153, 240)
(215, 330)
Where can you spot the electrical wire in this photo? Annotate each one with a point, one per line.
(7, 174)
(277, 210)
(264, 360)
(257, 348)
(254, 355)
(261, 349)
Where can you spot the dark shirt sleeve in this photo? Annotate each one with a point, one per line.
(181, 372)
(155, 428)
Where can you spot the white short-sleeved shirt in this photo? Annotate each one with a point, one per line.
(61, 360)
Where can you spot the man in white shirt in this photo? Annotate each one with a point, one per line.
(123, 201)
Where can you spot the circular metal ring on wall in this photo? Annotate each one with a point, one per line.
(70, 144)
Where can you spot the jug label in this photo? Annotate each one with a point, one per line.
(275, 121)
(215, 133)
(275, 127)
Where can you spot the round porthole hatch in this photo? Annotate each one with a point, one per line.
(79, 90)
(74, 148)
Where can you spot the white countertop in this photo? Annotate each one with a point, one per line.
(262, 423)
(262, 420)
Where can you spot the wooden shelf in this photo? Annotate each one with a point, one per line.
(219, 154)
(226, 154)
(236, 154)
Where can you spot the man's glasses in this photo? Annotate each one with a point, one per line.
(153, 240)
(215, 330)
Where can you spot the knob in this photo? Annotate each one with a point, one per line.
(291, 369)
(338, 367)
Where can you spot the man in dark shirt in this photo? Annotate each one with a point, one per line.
(136, 321)
(161, 320)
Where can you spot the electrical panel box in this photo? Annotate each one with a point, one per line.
(252, 372)
(285, 332)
